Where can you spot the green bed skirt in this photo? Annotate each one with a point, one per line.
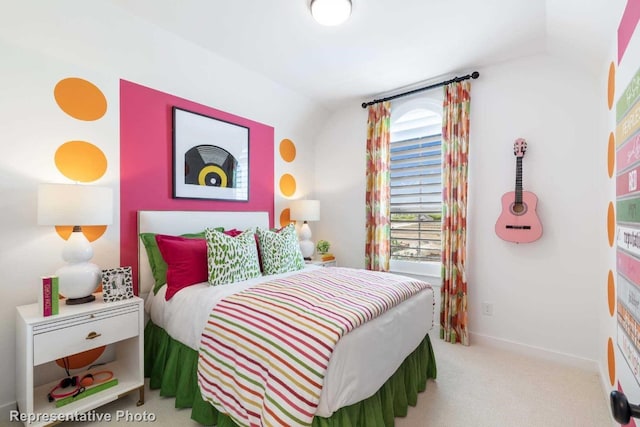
(172, 367)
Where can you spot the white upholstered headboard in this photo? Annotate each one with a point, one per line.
(181, 222)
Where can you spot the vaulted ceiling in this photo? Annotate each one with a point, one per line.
(386, 44)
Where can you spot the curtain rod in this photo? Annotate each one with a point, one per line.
(473, 75)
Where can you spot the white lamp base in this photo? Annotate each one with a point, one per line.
(306, 245)
(77, 281)
(79, 278)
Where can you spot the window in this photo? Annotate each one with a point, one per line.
(416, 185)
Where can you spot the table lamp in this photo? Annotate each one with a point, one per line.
(76, 205)
(305, 210)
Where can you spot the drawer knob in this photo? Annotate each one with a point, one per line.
(92, 335)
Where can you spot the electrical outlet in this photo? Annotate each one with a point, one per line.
(487, 309)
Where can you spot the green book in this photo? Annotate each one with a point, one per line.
(87, 392)
(55, 296)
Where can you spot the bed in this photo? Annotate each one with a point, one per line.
(374, 372)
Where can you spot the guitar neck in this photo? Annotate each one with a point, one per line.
(518, 180)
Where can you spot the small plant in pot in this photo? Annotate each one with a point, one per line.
(323, 246)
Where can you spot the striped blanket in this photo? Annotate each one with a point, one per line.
(264, 351)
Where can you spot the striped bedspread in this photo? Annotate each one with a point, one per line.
(264, 351)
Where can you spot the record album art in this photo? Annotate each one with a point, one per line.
(210, 157)
(210, 165)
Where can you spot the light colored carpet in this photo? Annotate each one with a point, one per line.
(483, 386)
(477, 386)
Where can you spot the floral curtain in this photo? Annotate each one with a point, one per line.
(377, 248)
(455, 151)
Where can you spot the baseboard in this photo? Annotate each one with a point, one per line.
(607, 389)
(5, 411)
(604, 381)
(538, 352)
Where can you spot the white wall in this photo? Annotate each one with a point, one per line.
(39, 45)
(340, 183)
(545, 293)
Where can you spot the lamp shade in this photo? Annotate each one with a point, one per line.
(74, 204)
(305, 210)
(331, 12)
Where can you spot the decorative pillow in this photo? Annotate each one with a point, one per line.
(157, 263)
(233, 232)
(186, 260)
(280, 251)
(231, 259)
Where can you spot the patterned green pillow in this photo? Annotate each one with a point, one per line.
(231, 259)
(158, 266)
(280, 251)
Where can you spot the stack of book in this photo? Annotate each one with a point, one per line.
(327, 257)
(48, 296)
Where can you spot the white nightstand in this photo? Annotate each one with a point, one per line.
(331, 263)
(78, 328)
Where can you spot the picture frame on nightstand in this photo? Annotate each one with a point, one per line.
(117, 284)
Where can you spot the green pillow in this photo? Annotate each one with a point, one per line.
(231, 259)
(158, 266)
(280, 251)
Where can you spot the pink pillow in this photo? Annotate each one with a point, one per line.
(233, 232)
(186, 262)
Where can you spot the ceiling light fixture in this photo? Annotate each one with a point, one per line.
(331, 12)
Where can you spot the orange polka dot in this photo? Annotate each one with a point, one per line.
(80, 99)
(611, 223)
(81, 161)
(611, 293)
(82, 360)
(611, 154)
(287, 150)
(285, 217)
(611, 87)
(91, 232)
(287, 185)
(611, 358)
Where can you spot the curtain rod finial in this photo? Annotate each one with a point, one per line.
(364, 105)
(475, 75)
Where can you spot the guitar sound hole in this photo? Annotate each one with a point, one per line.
(518, 208)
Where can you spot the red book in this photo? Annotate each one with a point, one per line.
(45, 297)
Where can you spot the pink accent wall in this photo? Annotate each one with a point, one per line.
(628, 24)
(146, 156)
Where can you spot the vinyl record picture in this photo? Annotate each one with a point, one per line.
(210, 165)
(210, 157)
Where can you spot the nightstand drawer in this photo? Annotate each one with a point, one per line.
(55, 339)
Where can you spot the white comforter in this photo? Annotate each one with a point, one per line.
(361, 362)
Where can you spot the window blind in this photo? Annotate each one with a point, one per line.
(416, 197)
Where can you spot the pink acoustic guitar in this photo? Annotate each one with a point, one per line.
(519, 221)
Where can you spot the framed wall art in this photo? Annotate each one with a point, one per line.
(117, 284)
(210, 157)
